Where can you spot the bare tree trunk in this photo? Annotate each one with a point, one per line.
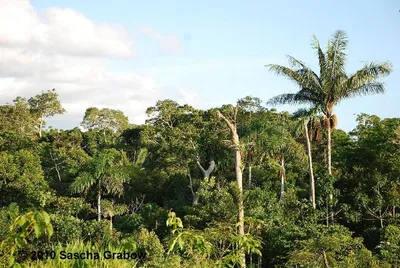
(239, 179)
(41, 126)
(111, 216)
(282, 195)
(206, 174)
(327, 212)
(325, 259)
(249, 175)
(99, 204)
(312, 182)
(332, 213)
(104, 135)
(195, 197)
(55, 166)
(328, 124)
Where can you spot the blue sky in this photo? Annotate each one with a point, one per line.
(214, 52)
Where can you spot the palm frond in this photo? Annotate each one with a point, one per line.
(113, 185)
(115, 178)
(321, 58)
(369, 73)
(314, 82)
(336, 53)
(291, 98)
(313, 94)
(84, 181)
(295, 63)
(366, 89)
(304, 113)
(293, 75)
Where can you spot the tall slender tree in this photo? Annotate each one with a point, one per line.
(309, 123)
(332, 85)
(232, 125)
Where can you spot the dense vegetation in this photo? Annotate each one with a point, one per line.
(207, 188)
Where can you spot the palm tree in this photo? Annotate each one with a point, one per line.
(106, 173)
(281, 146)
(325, 90)
(311, 127)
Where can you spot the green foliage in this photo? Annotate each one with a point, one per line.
(389, 247)
(149, 243)
(18, 117)
(108, 122)
(22, 179)
(45, 105)
(218, 246)
(98, 232)
(69, 206)
(129, 223)
(23, 226)
(139, 179)
(333, 246)
(66, 228)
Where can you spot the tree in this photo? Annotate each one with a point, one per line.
(106, 173)
(371, 167)
(332, 85)
(63, 157)
(18, 117)
(331, 246)
(110, 209)
(105, 120)
(389, 247)
(22, 179)
(181, 137)
(45, 105)
(307, 118)
(277, 140)
(249, 108)
(232, 125)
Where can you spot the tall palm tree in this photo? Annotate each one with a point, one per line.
(310, 126)
(106, 172)
(332, 85)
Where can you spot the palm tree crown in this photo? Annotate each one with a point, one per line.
(332, 85)
(325, 90)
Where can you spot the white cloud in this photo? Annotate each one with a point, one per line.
(71, 32)
(60, 30)
(168, 43)
(61, 48)
(189, 96)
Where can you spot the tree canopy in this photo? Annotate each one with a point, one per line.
(238, 185)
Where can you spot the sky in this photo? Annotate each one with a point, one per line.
(126, 55)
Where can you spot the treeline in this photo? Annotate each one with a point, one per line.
(232, 186)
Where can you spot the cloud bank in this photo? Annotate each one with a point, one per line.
(61, 48)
